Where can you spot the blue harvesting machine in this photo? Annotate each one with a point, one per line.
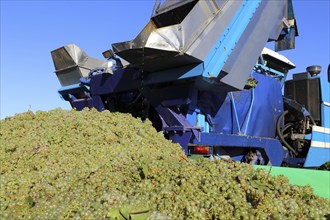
(200, 72)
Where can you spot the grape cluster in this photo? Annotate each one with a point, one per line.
(100, 165)
(325, 166)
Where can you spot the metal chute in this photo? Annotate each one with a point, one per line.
(226, 36)
(71, 63)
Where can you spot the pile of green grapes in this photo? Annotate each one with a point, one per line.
(100, 165)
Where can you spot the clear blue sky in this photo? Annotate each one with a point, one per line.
(31, 29)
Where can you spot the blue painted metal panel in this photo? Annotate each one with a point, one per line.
(321, 136)
(317, 156)
(70, 87)
(227, 41)
(192, 118)
(65, 91)
(174, 74)
(122, 80)
(201, 122)
(74, 88)
(325, 114)
(182, 139)
(319, 151)
(325, 90)
(325, 106)
(98, 103)
(257, 118)
(82, 103)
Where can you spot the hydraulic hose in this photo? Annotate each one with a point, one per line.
(286, 127)
(280, 134)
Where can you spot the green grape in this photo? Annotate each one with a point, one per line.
(81, 165)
